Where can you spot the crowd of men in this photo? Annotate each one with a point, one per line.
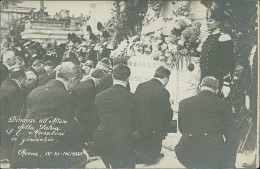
(82, 86)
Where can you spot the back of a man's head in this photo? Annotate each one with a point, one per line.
(97, 73)
(68, 71)
(121, 72)
(162, 72)
(210, 82)
(17, 73)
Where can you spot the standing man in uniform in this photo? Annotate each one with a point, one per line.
(155, 114)
(217, 51)
(203, 121)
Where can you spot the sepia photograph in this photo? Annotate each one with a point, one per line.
(129, 84)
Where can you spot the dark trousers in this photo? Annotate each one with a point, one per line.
(149, 145)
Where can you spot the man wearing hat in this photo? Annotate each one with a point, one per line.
(217, 51)
(102, 47)
(91, 41)
(204, 120)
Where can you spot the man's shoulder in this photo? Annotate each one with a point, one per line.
(189, 100)
(107, 77)
(52, 88)
(104, 93)
(151, 83)
(89, 83)
(9, 85)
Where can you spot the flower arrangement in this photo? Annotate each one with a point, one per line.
(179, 38)
(183, 41)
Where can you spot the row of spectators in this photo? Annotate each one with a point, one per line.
(27, 65)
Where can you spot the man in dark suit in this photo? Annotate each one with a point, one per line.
(51, 102)
(9, 60)
(85, 95)
(107, 81)
(203, 121)
(155, 114)
(11, 101)
(116, 112)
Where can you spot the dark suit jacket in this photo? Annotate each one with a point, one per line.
(4, 72)
(12, 98)
(50, 101)
(206, 113)
(11, 102)
(85, 95)
(106, 82)
(115, 108)
(44, 80)
(155, 108)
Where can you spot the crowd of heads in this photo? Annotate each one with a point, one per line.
(88, 52)
(40, 59)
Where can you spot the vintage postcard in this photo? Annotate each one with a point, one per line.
(129, 84)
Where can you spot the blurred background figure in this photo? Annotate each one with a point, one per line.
(12, 99)
(54, 101)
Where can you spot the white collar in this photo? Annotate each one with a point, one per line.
(117, 82)
(206, 88)
(62, 81)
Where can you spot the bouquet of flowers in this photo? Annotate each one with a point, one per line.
(125, 49)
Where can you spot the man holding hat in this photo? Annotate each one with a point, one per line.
(217, 51)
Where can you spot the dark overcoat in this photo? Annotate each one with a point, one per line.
(116, 113)
(203, 121)
(51, 102)
(154, 107)
(11, 101)
(84, 96)
(4, 72)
